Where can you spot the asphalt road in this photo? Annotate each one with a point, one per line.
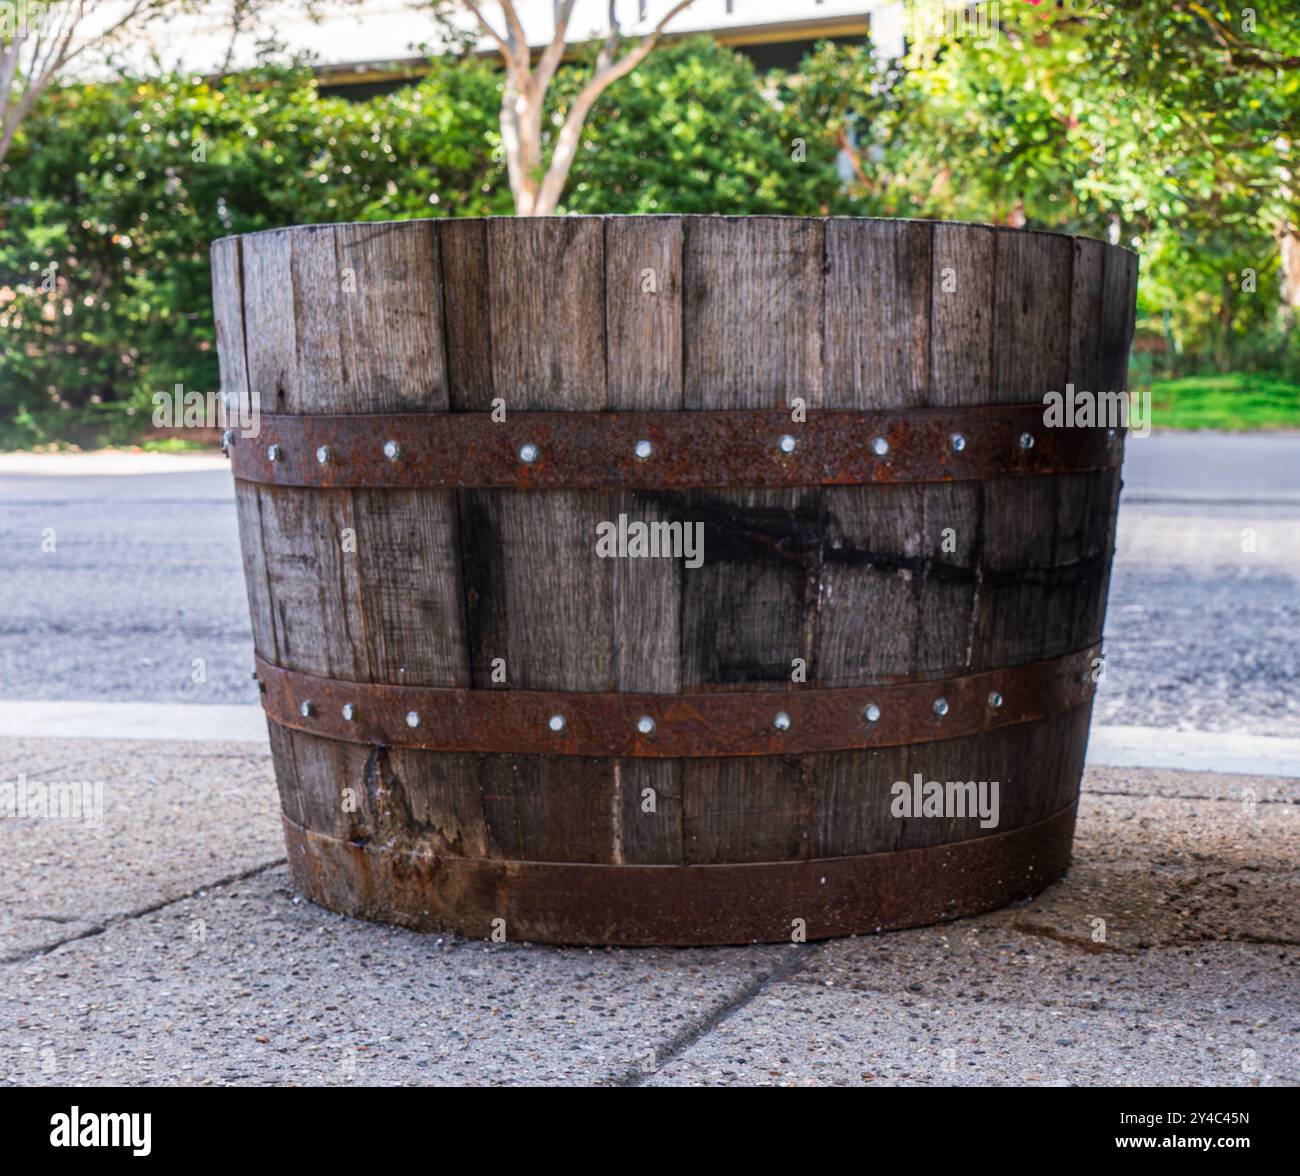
(1203, 629)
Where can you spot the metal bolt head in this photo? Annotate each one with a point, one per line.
(871, 713)
(941, 707)
(274, 453)
(349, 711)
(323, 454)
(1026, 440)
(556, 723)
(880, 447)
(995, 700)
(958, 442)
(643, 449)
(392, 450)
(782, 721)
(787, 443)
(646, 725)
(529, 453)
(306, 709)
(412, 718)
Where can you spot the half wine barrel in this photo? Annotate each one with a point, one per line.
(673, 579)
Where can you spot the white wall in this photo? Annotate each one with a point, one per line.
(391, 30)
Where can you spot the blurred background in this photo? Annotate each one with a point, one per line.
(1169, 127)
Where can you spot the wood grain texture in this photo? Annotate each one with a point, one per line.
(753, 308)
(546, 304)
(228, 319)
(877, 343)
(1032, 281)
(390, 322)
(643, 311)
(466, 317)
(961, 315)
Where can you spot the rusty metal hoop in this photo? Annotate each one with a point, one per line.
(660, 450)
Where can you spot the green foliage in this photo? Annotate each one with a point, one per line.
(689, 130)
(122, 188)
(1165, 126)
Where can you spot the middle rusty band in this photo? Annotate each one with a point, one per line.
(668, 726)
(664, 450)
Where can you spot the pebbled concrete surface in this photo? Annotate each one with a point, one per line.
(188, 959)
(174, 817)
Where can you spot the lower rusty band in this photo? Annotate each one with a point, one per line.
(557, 902)
(797, 720)
(654, 450)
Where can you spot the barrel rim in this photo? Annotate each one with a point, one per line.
(683, 217)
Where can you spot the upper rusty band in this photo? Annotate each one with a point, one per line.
(798, 720)
(653, 450)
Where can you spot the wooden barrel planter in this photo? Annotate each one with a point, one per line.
(482, 723)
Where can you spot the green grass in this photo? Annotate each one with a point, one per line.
(175, 445)
(1238, 401)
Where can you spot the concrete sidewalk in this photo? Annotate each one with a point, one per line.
(166, 946)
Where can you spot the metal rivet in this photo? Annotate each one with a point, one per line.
(941, 707)
(392, 450)
(1026, 440)
(349, 711)
(556, 722)
(880, 447)
(412, 718)
(274, 452)
(782, 721)
(787, 443)
(529, 453)
(871, 713)
(646, 725)
(306, 710)
(995, 700)
(323, 454)
(643, 449)
(958, 442)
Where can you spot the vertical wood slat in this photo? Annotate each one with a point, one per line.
(877, 349)
(393, 359)
(228, 313)
(1031, 341)
(228, 321)
(466, 314)
(643, 322)
(752, 338)
(366, 583)
(544, 290)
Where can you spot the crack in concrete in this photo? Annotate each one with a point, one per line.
(679, 1043)
(139, 912)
